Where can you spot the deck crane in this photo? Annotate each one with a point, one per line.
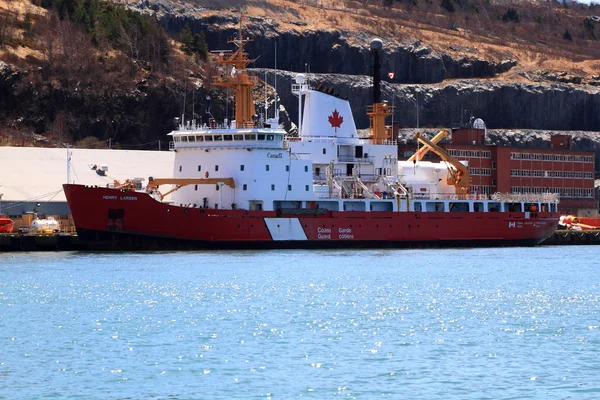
(420, 153)
(458, 176)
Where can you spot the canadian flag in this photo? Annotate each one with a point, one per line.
(391, 75)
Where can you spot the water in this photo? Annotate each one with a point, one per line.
(421, 324)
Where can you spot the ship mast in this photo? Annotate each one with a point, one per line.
(378, 111)
(233, 74)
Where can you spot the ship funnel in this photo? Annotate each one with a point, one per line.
(376, 47)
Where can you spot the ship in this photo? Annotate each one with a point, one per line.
(247, 183)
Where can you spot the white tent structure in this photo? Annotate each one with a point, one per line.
(32, 178)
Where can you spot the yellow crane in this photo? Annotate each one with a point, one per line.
(421, 152)
(154, 183)
(459, 176)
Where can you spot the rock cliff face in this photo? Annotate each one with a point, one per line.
(332, 52)
(501, 105)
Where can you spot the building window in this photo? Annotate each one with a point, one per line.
(272, 187)
(244, 187)
(242, 167)
(515, 172)
(515, 156)
(199, 168)
(493, 182)
(547, 157)
(493, 164)
(216, 167)
(266, 167)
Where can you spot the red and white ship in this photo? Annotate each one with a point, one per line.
(249, 185)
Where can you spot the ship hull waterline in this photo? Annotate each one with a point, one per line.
(113, 219)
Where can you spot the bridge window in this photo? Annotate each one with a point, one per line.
(261, 137)
(418, 206)
(208, 138)
(250, 137)
(238, 137)
(478, 207)
(228, 137)
(199, 138)
(270, 137)
(218, 138)
(278, 137)
(184, 139)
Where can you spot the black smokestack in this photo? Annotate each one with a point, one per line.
(376, 46)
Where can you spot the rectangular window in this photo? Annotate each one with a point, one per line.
(199, 168)
(244, 187)
(493, 164)
(306, 187)
(195, 187)
(287, 168)
(242, 167)
(266, 167)
(217, 186)
(324, 151)
(216, 167)
(180, 167)
(306, 168)
(272, 187)
(290, 188)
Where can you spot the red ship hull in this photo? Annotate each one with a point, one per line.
(115, 219)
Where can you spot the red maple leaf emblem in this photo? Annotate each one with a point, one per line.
(335, 119)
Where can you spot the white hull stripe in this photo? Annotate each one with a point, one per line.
(285, 229)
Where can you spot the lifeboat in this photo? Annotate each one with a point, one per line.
(6, 224)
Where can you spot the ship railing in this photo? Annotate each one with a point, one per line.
(526, 197)
(230, 144)
(448, 196)
(353, 159)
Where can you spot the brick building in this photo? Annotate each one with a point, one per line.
(494, 169)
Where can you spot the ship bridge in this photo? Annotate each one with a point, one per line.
(264, 138)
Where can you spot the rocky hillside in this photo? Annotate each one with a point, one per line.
(94, 71)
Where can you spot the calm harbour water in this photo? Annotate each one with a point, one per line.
(419, 324)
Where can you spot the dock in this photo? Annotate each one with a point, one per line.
(70, 241)
(572, 237)
(39, 242)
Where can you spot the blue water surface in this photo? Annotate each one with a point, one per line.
(506, 323)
